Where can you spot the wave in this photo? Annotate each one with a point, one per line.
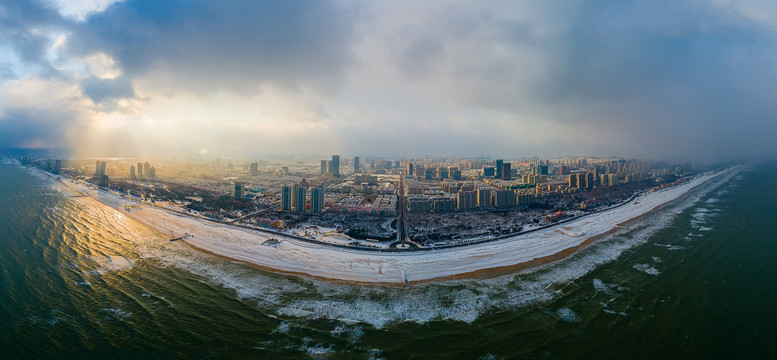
(566, 314)
(116, 313)
(647, 269)
(9, 161)
(107, 263)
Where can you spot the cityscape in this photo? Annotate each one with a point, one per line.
(447, 202)
(376, 180)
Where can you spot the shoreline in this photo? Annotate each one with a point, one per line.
(479, 260)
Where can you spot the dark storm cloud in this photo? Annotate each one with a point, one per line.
(34, 127)
(673, 77)
(234, 45)
(20, 25)
(100, 90)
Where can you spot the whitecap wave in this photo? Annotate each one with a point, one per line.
(117, 313)
(566, 314)
(646, 268)
(109, 263)
(669, 247)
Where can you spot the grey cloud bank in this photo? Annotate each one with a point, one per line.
(677, 79)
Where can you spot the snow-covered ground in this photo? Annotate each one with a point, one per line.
(330, 235)
(295, 256)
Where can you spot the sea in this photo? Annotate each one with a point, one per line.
(694, 279)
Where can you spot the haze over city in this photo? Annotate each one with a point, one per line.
(662, 79)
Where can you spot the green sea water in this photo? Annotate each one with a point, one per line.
(697, 279)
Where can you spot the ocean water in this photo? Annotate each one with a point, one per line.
(696, 279)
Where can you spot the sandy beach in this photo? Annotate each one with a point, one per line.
(294, 256)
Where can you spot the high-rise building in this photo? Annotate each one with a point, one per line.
(323, 167)
(499, 168)
(300, 201)
(152, 173)
(612, 180)
(57, 166)
(484, 197)
(504, 198)
(254, 169)
(573, 180)
(488, 171)
(147, 169)
(598, 171)
(443, 174)
(334, 166)
(316, 199)
(410, 168)
(506, 171)
(444, 204)
(539, 169)
(589, 180)
(132, 172)
(525, 199)
(356, 164)
(419, 205)
(467, 200)
(99, 169)
(240, 191)
(286, 198)
(140, 170)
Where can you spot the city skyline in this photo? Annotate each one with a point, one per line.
(669, 80)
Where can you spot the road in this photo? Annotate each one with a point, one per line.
(259, 212)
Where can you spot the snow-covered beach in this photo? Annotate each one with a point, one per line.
(299, 257)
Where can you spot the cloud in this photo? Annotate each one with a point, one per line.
(229, 45)
(6, 71)
(23, 26)
(100, 90)
(81, 9)
(654, 79)
(37, 112)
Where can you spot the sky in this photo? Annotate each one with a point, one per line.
(668, 79)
